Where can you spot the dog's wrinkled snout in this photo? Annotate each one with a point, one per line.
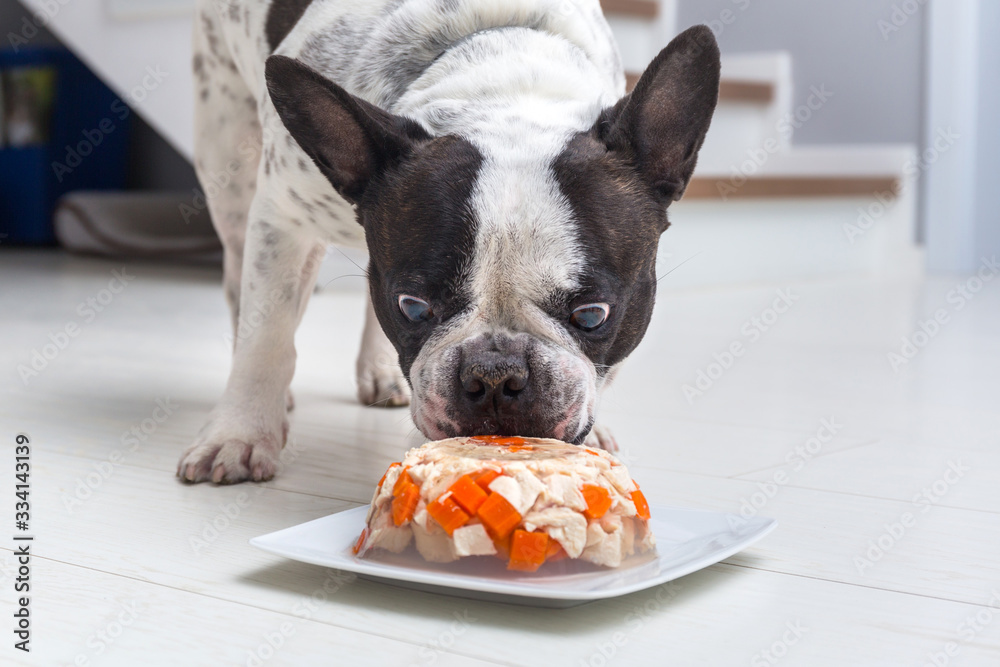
(491, 377)
(506, 383)
(494, 375)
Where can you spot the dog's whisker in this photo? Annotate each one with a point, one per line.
(677, 267)
(346, 275)
(360, 268)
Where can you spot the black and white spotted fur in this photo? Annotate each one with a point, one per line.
(485, 153)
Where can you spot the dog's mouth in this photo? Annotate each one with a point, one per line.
(503, 384)
(572, 427)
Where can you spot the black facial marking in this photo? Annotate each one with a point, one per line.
(620, 222)
(619, 179)
(662, 123)
(281, 18)
(420, 235)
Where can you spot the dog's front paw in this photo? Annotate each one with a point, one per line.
(381, 381)
(600, 437)
(231, 457)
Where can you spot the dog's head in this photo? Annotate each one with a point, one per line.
(511, 287)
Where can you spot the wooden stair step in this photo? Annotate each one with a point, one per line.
(643, 9)
(730, 90)
(764, 187)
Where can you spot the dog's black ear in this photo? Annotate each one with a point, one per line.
(662, 123)
(350, 140)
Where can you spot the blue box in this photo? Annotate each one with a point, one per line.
(79, 139)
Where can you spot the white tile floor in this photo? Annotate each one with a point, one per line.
(134, 568)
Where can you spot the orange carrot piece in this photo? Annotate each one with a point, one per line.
(502, 544)
(484, 477)
(361, 541)
(386, 473)
(527, 550)
(402, 481)
(468, 494)
(641, 506)
(498, 515)
(404, 504)
(447, 513)
(555, 552)
(598, 501)
(554, 548)
(501, 440)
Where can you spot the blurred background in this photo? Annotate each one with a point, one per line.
(852, 138)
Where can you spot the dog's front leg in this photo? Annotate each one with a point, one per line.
(247, 429)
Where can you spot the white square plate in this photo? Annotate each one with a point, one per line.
(686, 540)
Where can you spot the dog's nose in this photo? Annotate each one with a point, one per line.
(493, 378)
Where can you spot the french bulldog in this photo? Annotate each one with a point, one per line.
(510, 195)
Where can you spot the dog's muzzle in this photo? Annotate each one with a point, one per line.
(506, 384)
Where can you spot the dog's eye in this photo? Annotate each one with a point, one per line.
(591, 316)
(415, 310)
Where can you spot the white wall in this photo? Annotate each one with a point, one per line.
(987, 206)
(146, 62)
(639, 40)
(961, 210)
(873, 69)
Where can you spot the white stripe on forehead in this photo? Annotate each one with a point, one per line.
(518, 96)
(526, 241)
